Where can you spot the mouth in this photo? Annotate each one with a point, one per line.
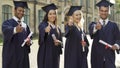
(52, 18)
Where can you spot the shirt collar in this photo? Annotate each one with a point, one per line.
(22, 21)
(106, 21)
(52, 25)
(16, 19)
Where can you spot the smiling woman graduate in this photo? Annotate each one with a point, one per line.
(75, 56)
(50, 39)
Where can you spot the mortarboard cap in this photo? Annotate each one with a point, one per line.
(73, 9)
(104, 3)
(49, 7)
(20, 4)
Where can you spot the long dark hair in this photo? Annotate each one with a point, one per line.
(45, 18)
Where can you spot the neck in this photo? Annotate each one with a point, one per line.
(103, 18)
(50, 22)
(18, 18)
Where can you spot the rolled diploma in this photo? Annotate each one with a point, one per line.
(104, 43)
(82, 41)
(31, 33)
(54, 38)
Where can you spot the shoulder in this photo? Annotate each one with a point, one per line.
(113, 23)
(42, 24)
(8, 21)
(92, 23)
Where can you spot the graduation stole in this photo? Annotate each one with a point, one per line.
(55, 27)
(79, 27)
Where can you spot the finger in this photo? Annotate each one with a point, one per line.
(21, 29)
(49, 27)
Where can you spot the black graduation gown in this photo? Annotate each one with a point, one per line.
(99, 54)
(48, 54)
(74, 55)
(13, 55)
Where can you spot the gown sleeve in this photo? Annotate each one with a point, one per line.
(42, 33)
(8, 30)
(61, 45)
(68, 30)
(91, 30)
(117, 36)
(28, 47)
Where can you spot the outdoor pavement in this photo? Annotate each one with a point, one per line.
(34, 50)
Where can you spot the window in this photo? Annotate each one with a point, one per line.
(6, 12)
(27, 16)
(88, 3)
(95, 3)
(82, 2)
(40, 15)
(45, 1)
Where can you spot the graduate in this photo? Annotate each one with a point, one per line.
(15, 31)
(50, 39)
(103, 56)
(76, 46)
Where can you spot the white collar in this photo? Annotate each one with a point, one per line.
(52, 25)
(16, 19)
(106, 21)
(22, 21)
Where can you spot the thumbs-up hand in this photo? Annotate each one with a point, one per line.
(19, 28)
(47, 29)
(98, 26)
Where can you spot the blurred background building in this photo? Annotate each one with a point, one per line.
(34, 15)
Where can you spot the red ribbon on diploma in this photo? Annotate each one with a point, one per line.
(106, 47)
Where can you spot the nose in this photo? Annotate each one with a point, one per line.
(22, 12)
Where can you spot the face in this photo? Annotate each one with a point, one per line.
(52, 16)
(104, 12)
(19, 12)
(76, 16)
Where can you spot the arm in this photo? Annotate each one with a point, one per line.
(29, 37)
(117, 38)
(8, 30)
(94, 28)
(42, 33)
(68, 30)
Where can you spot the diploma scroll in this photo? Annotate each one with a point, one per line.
(104, 43)
(83, 41)
(54, 38)
(31, 33)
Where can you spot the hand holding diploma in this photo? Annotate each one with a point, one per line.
(104, 43)
(56, 41)
(108, 45)
(83, 43)
(27, 40)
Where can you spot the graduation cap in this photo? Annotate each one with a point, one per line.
(73, 9)
(104, 3)
(20, 4)
(49, 7)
